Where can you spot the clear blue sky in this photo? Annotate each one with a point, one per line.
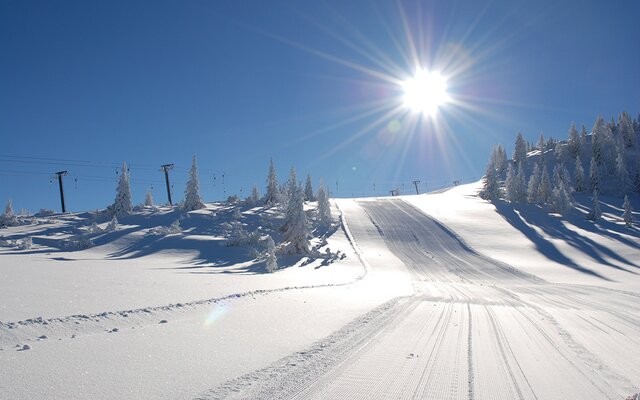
(310, 84)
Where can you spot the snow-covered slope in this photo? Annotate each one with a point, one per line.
(439, 296)
(567, 249)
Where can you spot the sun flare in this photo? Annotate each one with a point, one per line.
(425, 92)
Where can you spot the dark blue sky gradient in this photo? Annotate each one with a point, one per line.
(239, 82)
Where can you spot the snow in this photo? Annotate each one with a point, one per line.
(440, 296)
(563, 250)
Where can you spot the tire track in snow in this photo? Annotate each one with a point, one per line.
(578, 351)
(442, 261)
(471, 393)
(288, 376)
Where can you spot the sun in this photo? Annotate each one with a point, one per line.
(425, 92)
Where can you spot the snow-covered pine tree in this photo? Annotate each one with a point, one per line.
(510, 184)
(557, 176)
(324, 207)
(608, 150)
(541, 143)
(544, 190)
(597, 134)
(271, 261)
(561, 177)
(562, 202)
(520, 184)
(579, 175)
(8, 210)
(622, 175)
(272, 196)
(502, 159)
(148, 200)
(255, 196)
(574, 141)
(192, 200)
(283, 196)
(308, 190)
(516, 191)
(520, 150)
(122, 205)
(8, 218)
(583, 135)
(491, 188)
(295, 230)
(626, 130)
(498, 158)
(533, 185)
(288, 191)
(595, 213)
(627, 215)
(594, 175)
(612, 126)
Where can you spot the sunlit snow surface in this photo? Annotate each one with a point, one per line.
(440, 296)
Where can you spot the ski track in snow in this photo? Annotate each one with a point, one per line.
(71, 326)
(475, 328)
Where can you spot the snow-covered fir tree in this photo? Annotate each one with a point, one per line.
(520, 150)
(515, 187)
(8, 218)
(626, 130)
(627, 215)
(148, 199)
(521, 185)
(579, 175)
(597, 134)
(573, 143)
(533, 185)
(608, 151)
(562, 202)
(286, 192)
(596, 213)
(8, 210)
(272, 196)
(491, 188)
(541, 143)
(283, 196)
(544, 190)
(324, 207)
(295, 230)
(510, 184)
(308, 190)
(254, 198)
(192, 200)
(122, 205)
(561, 177)
(594, 175)
(272, 260)
(499, 158)
(622, 175)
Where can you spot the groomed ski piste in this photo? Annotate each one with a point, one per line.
(437, 296)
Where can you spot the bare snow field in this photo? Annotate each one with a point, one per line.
(440, 296)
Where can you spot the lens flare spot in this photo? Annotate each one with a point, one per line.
(216, 312)
(394, 126)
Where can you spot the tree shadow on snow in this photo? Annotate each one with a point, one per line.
(524, 216)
